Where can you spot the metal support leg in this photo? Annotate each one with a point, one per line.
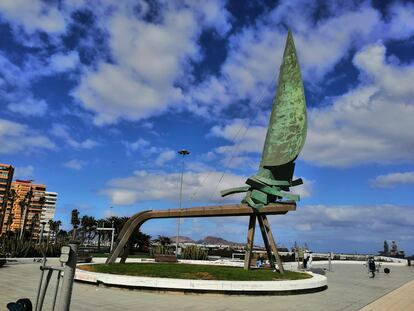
(272, 243)
(250, 239)
(40, 282)
(43, 290)
(69, 274)
(266, 241)
(56, 290)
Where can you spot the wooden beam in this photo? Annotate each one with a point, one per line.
(250, 240)
(125, 253)
(266, 242)
(138, 219)
(272, 243)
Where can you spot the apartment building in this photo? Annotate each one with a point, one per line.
(48, 210)
(6, 177)
(26, 208)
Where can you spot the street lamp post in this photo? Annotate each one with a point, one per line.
(183, 153)
(113, 231)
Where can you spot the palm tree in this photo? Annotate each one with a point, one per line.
(9, 223)
(88, 224)
(163, 240)
(35, 220)
(142, 241)
(24, 205)
(12, 196)
(54, 227)
(139, 239)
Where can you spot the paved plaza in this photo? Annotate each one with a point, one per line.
(349, 288)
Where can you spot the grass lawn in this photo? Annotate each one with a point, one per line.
(200, 272)
(136, 255)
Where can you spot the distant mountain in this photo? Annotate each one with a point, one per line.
(181, 239)
(211, 240)
(214, 240)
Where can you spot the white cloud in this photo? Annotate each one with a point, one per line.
(62, 131)
(249, 137)
(372, 223)
(305, 190)
(155, 155)
(165, 157)
(198, 186)
(147, 186)
(24, 172)
(369, 124)
(33, 15)
(62, 62)
(393, 78)
(341, 228)
(29, 107)
(246, 139)
(75, 164)
(16, 137)
(151, 60)
(214, 15)
(393, 179)
(140, 144)
(255, 53)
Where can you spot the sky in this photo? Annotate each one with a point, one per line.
(97, 97)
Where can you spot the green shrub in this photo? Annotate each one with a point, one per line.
(23, 248)
(195, 253)
(161, 250)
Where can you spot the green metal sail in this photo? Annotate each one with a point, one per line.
(285, 138)
(287, 126)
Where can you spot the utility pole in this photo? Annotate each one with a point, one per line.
(113, 230)
(183, 153)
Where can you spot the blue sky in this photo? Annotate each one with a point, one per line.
(96, 100)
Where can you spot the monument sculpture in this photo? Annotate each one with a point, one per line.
(268, 191)
(284, 140)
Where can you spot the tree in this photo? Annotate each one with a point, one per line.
(394, 248)
(163, 240)
(24, 205)
(35, 220)
(74, 222)
(386, 248)
(88, 225)
(12, 196)
(54, 227)
(138, 239)
(142, 241)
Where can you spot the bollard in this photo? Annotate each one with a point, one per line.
(69, 275)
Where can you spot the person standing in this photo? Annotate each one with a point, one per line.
(310, 260)
(305, 259)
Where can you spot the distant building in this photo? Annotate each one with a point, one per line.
(394, 252)
(48, 209)
(26, 208)
(6, 177)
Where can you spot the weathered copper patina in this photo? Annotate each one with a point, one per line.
(284, 139)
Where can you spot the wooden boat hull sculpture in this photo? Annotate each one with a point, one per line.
(267, 192)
